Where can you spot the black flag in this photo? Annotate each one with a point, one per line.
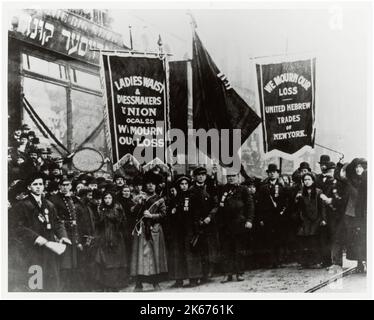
(216, 105)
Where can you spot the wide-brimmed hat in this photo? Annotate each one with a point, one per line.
(151, 177)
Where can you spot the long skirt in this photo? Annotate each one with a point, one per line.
(309, 252)
(148, 257)
(111, 265)
(185, 261)
(355, 238)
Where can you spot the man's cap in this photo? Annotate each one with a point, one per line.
(200, 170)
(330, 165)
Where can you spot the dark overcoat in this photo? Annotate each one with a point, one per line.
(27, 221)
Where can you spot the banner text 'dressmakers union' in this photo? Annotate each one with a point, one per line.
(137, 116)
(136, 104)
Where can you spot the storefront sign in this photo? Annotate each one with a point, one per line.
(66, 33)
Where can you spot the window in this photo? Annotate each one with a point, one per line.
(47, 86)
(87, 114)
(44, 67)
(85, 79)
(49, 102)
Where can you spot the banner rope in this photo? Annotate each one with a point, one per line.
(332, 150)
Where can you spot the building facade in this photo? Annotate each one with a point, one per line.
(53, 61)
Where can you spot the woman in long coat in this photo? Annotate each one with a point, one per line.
(355, 176)
(148, 257)
(111, 255)
(185, 258)
(312, 217)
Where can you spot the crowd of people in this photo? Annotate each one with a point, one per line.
(119, 232)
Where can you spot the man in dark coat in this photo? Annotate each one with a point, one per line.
(204, 205)
(32, 165)
(235, 214)
(33, 226)
(68, 209)
(334, 199)
(86, 219)
(325, 182)
(322, 177)
(119, 181)
(272, 205)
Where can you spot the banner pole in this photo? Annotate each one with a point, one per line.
(167, 153)
(189, 110)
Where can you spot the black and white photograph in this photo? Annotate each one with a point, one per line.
(187, 149)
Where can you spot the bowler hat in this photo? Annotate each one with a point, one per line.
(324, 159)
(304, 165)
(272, 167)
